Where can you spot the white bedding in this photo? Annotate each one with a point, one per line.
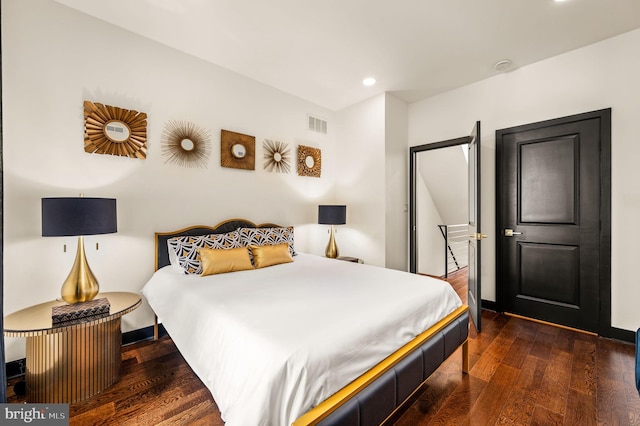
(272, 343)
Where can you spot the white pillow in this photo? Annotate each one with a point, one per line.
(173, 258)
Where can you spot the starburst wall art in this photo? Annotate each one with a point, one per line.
(276, 156)
(185, 144)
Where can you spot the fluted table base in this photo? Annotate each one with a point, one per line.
(73, 364)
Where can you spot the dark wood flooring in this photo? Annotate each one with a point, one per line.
(522, 373)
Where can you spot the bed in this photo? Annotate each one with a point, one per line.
(308, 341)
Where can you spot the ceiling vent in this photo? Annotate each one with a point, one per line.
(317, 125)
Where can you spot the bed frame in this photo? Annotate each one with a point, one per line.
(373, 397)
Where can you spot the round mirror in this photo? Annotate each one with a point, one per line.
(187, 144)
(309, 161)
(277, 157)
(117, 131)
(238, 150)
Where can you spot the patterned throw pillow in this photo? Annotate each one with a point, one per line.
(267, 236)
(186, 248)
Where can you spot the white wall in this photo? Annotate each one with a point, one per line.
(372, 159)
(445, 172)
(396, 183)
(360, 185)
(53, 59)
(598, 76)
(429, 238)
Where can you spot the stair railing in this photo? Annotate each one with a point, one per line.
(455, 246)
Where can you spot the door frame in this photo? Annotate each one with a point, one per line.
(413, 153)
(604, 115)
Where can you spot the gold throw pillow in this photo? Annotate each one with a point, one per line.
(219, 261)
(264, 256)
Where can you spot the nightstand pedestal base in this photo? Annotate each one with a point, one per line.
(73, 363)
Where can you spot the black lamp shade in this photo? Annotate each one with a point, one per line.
(76, 216)
(332, 215)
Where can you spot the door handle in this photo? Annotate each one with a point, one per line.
(478, 236)
(511, 233)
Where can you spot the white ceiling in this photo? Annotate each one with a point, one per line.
(322, 50)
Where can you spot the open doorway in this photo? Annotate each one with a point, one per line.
(442, 200)
(439, 207)
(444, 213)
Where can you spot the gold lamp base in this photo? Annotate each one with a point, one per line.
(332, 248)
(81, 285)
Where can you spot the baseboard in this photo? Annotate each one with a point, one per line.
(141, 334)
(489, 305)
(622, 335)
(610, 333)
(18, 367)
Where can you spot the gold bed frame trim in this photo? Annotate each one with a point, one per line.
(335, 401)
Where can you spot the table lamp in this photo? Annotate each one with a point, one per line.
(79, 216)
(332, 215)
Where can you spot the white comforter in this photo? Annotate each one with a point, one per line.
(272, 343)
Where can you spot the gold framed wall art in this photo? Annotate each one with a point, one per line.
(237, 151)
(115, 131)
(309, 161)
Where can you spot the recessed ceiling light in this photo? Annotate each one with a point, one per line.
(369, 81)
(503, 65)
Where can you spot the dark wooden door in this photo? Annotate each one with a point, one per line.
(474, 295)
(550, 183)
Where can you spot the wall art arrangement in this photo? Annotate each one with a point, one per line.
(115, 131)
(185, 144)
(237, 151)
(309, 161)
(276, 156)
(122, 132)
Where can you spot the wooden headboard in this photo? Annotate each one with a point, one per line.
(161, 238)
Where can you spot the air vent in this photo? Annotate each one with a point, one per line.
(317, 125)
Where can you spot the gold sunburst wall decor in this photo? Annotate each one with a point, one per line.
(237, 151)
(185, 144)
(276, 156)
(115, 131)
(309, 161)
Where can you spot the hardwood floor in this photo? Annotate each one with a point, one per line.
(526, 373)
(522, 373)
(156, 387)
